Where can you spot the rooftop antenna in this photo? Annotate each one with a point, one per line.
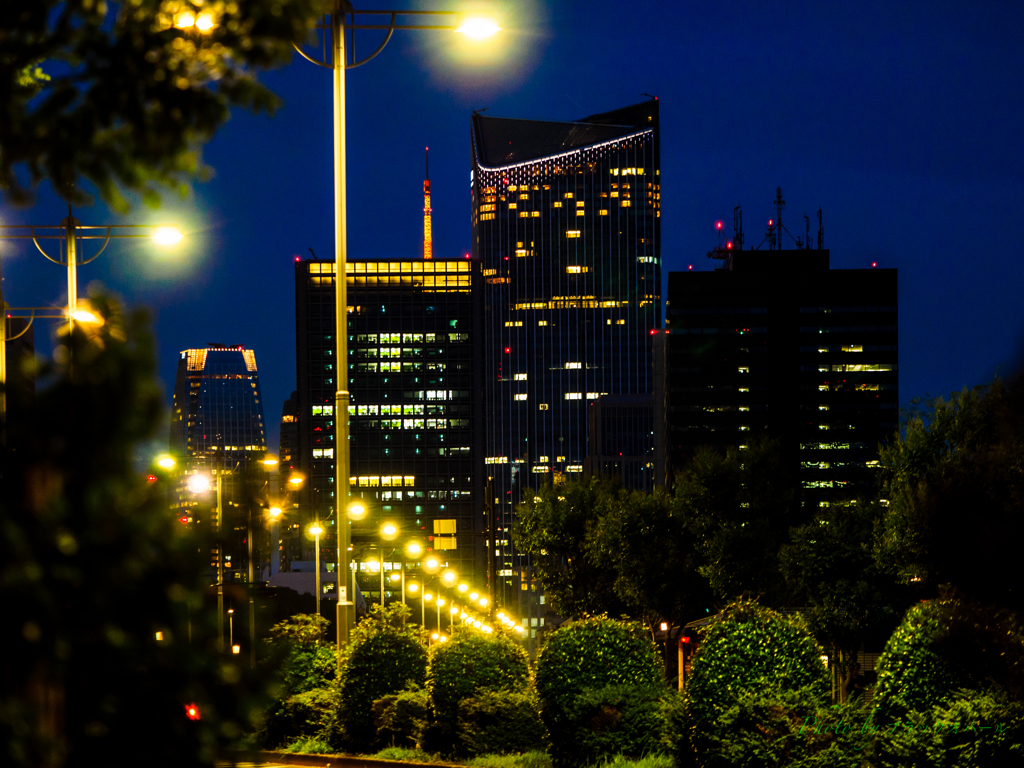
(807, 223)
(313, 252)
(724, 253)
(779, 205)
(737, 227)
(428, 239)
(821, 232)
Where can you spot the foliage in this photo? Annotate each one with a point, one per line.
(581, 659)
(946, 645)
(533, 759)
(747, 649)
(954, 481)
(302, 716)
(94, 567)
(125, 97)
(553, 526)
(616, 720)
(406, 755)
(399, 718)
(829, 567)
(305, 630)
(468, 664)
(305, 664)
(383, 657)
(307, 745)
(500, 723)
(970, 729)
(649, 761)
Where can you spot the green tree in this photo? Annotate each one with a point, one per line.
(554, 526)
(954, 482)
(123, 95)
(829, 568)
(94, 568)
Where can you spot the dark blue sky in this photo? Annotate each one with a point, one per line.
(902, 121)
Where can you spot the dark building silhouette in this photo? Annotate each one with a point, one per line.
(777, 344)
(217, 428)
(621, 440)
(566, 223)
(415, 424)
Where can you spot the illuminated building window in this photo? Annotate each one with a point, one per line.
(513, 323)
(615, 194)
(496, 460)
(603, 212)
(626, 203)
(743, 389)
(573, 365)
(524, 197)
(581, 213)
(620, 321)
(556, 205)
(573, 269)
(823, 426)
(542, 322)
(520, 376)
(580, 204)
(572, 233)
(823, 387)
(488, 207)
(323, 453)
(743, 369)
(323, 410)
(823, 349)
(524, 214)
(744, 428)
(595, 395)
(542, 458)
(542, 407)
(511, 206)
(573, 395)
(521, 396)
(568, 195)
(744, 408)
(574, 468)
(853, 348)
(535, 214)
(486, 216)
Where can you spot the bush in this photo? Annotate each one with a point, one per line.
(946, 645)
(384, 657)
(970, 729)
(500, 723)
(747, 654)
(305, 663)
(400, 718)
(303, 715)
(465, 666)
(587, 672)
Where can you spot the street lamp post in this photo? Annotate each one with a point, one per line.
(316, 530)
(338, 64)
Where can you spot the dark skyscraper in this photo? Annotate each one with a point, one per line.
(415, 424)
(566, 222)
(777, 344)
(217, 426)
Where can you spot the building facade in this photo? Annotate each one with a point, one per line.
(776, 344)
(415, 425)
(566, 223)
(217, 427)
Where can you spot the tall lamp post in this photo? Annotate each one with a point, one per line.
(338, 26)
(72, 234)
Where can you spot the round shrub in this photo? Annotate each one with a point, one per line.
(466, 665)
(384, 657)
(500, 723)
(943, 646)
(399, 718)
(746, 650)
(304, 714)
(588, 672)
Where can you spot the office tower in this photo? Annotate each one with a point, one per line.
(415, 424)
(289, 439)
(777, 344)
(621, 439)
(566, 223)
(428, 236)
(217, 427)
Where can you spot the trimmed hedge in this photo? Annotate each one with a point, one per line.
(599, 681)
(399, 718)
(500, 723)
(748, 657)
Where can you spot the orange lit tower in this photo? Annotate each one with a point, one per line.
(428, 240)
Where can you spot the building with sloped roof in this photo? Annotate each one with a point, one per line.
(566, 222)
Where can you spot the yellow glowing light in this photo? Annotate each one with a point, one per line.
(394, 577)
(316, 530)
(185, 20)
(165, 462)
(296, 480)
(414, 549)
(204, 23)
(167, 236)
(431, 564)
(413, 587)
(444, 639)
(440, 602)
(388, 531)
(274, 512)
(434, 636)
(463, 587)
(356, 510)
(85, 316)
(199, 483)
(455, 610)
(473, 595)
(427, 596)
(373, 565)
(236, 649)
(478, 29)
(270, 461)
(449, 577)
(483, 602)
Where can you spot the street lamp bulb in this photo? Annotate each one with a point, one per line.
(474, 595)
(413, 587)
(316, 530)
(463, 587)
(356, 511)
(204, 22)
(431, 564)
(270, 461)
(427, 596)
(85, 316)
(394, 577)
(168, 235)
(449, 577)
(165, 462)
(483, 602)
(388, 531)
(440, 602)
(414, 549)
(199, 483)
(478, 29)
(296, 480)
(274, 512)
(185, 20)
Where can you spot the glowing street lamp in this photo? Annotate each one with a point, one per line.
(338, 26)
(315, 530)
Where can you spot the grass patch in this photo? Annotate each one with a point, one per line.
(408, 755)
(525, 760)
(648, 761)
(307, 745)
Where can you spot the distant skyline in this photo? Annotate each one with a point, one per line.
(901, 123)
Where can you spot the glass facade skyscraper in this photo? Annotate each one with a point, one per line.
(415, 424)
(566, 223)
(217, 426)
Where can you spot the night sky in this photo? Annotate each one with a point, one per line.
(902, 121)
